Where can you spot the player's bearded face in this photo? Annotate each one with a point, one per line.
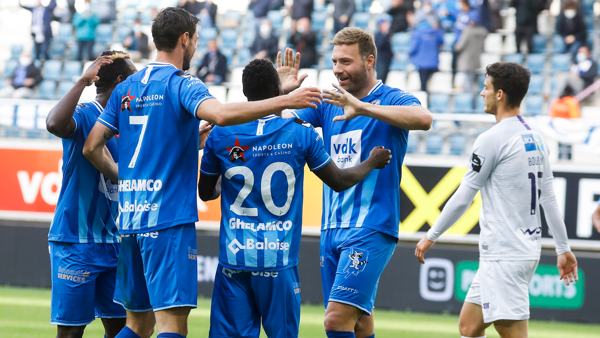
(189, 51)
(349, 67)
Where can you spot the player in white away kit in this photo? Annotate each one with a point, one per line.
(510, 166)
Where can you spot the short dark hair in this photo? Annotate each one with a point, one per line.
(512, 78)
(260, 80)
(169, 25)
(109, 73)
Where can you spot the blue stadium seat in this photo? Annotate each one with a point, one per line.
(72, 69)
(146, 17)
(412, 144)
(457, 144)
(560, 62)
(536, 62)
(244, 56)
(104, 33)
(479, 106)
(587, 6)
(123, 32)
(327, 62)
(449, 39)
(249, 35)
(10, 67)
(401, 42)
(439, 103)
(73, 51)
(590, 22)
(15, 51)
(228, 53)
(47, 89)
(52, 69)
(231, 15)
(539, 43)
(480, 81)
(361, 20)
(536, 84)
(65, 32)
(64, 87)
(98, 49)
(553, 83)
(229, 38)
(463, 103)
(207, 34)
(399, 62)
(558, 44)
(276, 19)
(534, 104)
(318, 21)
(433, 143)
(129, 15)
(516, 58)
(57, 50)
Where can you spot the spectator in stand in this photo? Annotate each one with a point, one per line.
(566, 106)
(205, 19)
(85, 22)
(137, 43)
(265, 43)
(342, 14)
(65, 11)
(468, 50)
(259, 8)
(447, 12)
(581, 75)
(305, 42)
(210, 8)
(301, 9)
(190, 5)
(24, 79)
(402, 15)
(214, 65)
(40, 28)
(527, 13)
(384, 49)
(571, 26)
(424, 50)
(465, 16)
(426, 14)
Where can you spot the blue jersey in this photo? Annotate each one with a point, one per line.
(154, 112)
(350, 143)
(262, 164)
(87, 204)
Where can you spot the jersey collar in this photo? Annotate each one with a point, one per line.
(267, 118)
(98, 106)
(161, 64)
(376, 87)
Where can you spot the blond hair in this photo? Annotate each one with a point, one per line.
(354, 35)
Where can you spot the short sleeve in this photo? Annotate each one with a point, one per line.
(78, 123)
(310, 115)
(314, 149)
(192, 93)
(483, 161)
(402, 98)
(110, 114)
(210, 164)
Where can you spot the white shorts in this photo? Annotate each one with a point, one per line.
(501, 288)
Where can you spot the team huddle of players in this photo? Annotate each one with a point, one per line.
(143, 132)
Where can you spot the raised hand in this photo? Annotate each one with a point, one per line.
(567, 267)
(345, 100)
(307, 97)
(204, 132)
(422, 247)
(91, 74)
(380, 156)
(288, 71)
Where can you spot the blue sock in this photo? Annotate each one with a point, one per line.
(169, 335)
(373, 336)
(127, 333)
(340, 334)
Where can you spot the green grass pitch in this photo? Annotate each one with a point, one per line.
(26, 313)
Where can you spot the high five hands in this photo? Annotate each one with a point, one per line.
(288, 71)
(351, 105)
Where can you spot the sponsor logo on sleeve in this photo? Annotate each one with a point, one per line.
(477, 162)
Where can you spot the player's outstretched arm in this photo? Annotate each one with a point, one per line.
(596, 218)
(243, 112)
(60, 119)
(342, 179)
(405, 117)
(456, 207)
(96, 152)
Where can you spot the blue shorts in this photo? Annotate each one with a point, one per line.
(352, 261)
(242, 299)
(158, 270)
(83, 283)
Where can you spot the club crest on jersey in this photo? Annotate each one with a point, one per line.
(477, 162)
(237, 151)
(126, 101)
(357, 263)
(533, 142)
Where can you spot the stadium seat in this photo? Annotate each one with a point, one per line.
(129, 15)
(15, 51)
(457, 144)
(463, 103)
(99, 47)
(481, 81)
(396, 79)
(449, 39)
(536, 63)
(42, 113)
(433, 144)
(10, 67)
(47, 89)
(26, 116)
(488, 58)
(65, 32)
(235, 94)
(422, 97)
(218, 92)
(479, 106)
(276, 19)
(146, 17)
(228, 53)
(235, 79)
(399, 62)
(587, 5)
(244, 56)
(318, 21)
(536, 84)
(439, 103)
(207, 34)
(590, 22)
(123, 32)
(555, 80)
(248, 36)
(52, 70)
(64, 86)
(493, 43)
(72, 69)
(510, 44)
(57, 50)
(412, 145)
(229, 38)
(326, 78)
(539, 43)
(73, 51)
(516, 58)
(401, 42)
(534, 104)
(445, 64)
(360, 20)
(232, 15)
(327, 62)
(558, 44)
(413, 82)
(560, 62)
(104, 33)
(440, 82)
(7, 115)
(312, 78)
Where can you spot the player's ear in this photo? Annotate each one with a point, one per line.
(120, 79)
(184, 39)
(371, 61)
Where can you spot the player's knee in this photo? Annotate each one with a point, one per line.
(335, 322)
(469, 329)
(70, 331)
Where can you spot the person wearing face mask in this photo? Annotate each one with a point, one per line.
(137, 43)
(22, 83)
(581, 75)
(265, 43)
(40, 28)
(85, 22)
(305, 43)
(571, 26)
(214, 65)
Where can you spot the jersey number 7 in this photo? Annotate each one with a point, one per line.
(143, 120)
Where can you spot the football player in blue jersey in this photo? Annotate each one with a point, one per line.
(83, 239)
(262, 165)
(157, 113)
(360, 225)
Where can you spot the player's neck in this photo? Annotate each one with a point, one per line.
(506, 113)
(366, 89)
(175, 58)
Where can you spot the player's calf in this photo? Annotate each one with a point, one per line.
(341, 317)
(112, 326)
(70, 331)
(512, 328)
